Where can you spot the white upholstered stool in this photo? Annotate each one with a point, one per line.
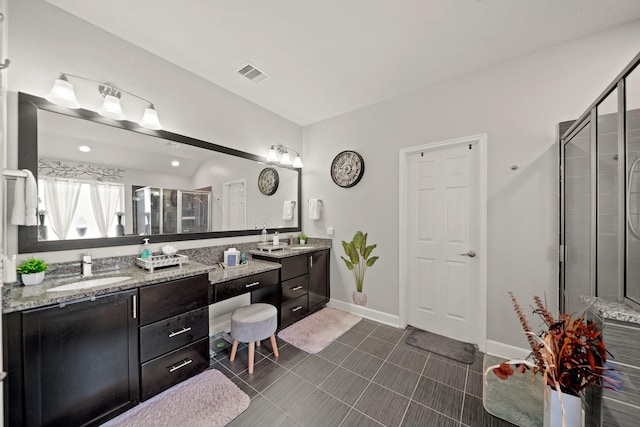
(251, 324)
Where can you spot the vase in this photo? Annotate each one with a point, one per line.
(33, 278)
(303, 241)
(360, 298)
(553, 410)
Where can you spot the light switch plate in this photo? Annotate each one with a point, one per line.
(330, 231)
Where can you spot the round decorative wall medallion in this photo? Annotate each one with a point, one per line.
(347, 169)
(268, 181)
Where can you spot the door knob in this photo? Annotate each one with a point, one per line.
(470, 254)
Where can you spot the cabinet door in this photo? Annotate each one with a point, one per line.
(80, 361)
(318, 280)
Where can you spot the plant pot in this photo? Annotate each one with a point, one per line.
(303, 241)
(553, 410)
(33, 278)
(360, 298)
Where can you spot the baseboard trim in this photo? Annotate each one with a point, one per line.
(367, 313)
(505, 350)
(219, 326)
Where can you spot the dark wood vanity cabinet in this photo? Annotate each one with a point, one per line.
(72, 364)
(304, 282)
(84, 362)
(174, 333)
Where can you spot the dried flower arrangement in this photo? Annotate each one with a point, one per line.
(570, 355)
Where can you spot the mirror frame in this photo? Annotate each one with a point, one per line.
(28, 106)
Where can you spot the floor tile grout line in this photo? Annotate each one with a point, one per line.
(424, 366)
(464, 393)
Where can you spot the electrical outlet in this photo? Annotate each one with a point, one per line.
(330, 231)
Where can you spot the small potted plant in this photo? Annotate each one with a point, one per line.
(303, 238)
(358, 259)
(32, 271)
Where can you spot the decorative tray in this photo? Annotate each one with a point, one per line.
(160, 260)
(269, 246)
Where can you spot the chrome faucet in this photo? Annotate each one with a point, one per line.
(290, 239)
(86, 265)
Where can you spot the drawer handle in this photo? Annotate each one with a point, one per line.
(296, 288)
(174, 333)
(296, 308)
(252, 284)
(182, 364)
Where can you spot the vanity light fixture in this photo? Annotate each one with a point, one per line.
(63, 94)
(285, 158)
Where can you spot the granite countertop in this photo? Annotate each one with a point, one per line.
(288, 252)
(253, 266)
(17, 297)
(612, 310)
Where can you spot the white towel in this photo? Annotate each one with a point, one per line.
(287, 210)
(314, 209)
(25, 200)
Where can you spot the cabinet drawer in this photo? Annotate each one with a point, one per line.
(623, 342)
(293, 310)
(172, 333)
(232, 288)
(159, 374)
(168, 299)
(294, 266)
(295, 288)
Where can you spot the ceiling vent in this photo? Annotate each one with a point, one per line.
(251, 72)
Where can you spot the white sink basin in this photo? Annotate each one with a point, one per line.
(90, 283)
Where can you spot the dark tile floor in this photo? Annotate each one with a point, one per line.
(367, 377)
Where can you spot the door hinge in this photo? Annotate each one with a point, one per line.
(561, 254)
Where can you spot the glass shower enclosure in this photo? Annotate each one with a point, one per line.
(168, 211)
(600, 198)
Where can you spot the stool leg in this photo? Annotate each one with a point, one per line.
(234, 348)
(274, 345)
(251, 352)
(257, 343)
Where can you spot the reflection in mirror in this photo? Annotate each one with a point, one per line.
(103, 184)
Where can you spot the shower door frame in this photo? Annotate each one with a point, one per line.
(567, 131)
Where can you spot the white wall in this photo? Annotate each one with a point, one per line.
(44, 41)
(518, 104)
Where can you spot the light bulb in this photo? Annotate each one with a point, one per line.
(297, 162)
(285, 160)
(111, 108)
(62, 93)
(150, 119)
(272, 156)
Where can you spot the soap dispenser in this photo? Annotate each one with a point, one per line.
(146, 250)
(263, 236)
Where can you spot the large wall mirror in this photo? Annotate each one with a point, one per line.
(105, 183)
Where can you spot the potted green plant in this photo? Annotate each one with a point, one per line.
(358, 260)
(32, 271)
(303, 238)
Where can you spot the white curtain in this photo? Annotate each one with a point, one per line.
(105, 201)
(61, 200)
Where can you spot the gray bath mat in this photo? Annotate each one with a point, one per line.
(315, 332)
(447, 347)
(209, 399)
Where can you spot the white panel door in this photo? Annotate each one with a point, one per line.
(442, 238)
(234, 206)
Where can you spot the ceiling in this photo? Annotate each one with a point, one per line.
(328, 57)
